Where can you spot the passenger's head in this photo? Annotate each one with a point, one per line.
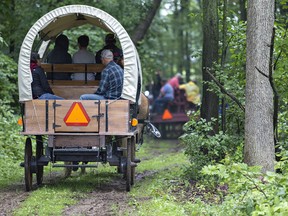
(83, 40)
(62, 42)
(121, 61)
(163, 81)
(106, 56)
(34, 58)
(110, 39)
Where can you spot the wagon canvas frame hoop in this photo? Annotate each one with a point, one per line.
(43, 27)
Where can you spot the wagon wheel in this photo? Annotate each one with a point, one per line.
(122, 144)
(27, 164)
(133, 159)
(128, 166)
(39, 153)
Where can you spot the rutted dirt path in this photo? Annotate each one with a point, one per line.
(11, 198)
(106, 199)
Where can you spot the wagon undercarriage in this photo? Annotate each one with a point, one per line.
(119, 153)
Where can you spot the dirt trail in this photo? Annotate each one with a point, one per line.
(105, 200)
(11, 198)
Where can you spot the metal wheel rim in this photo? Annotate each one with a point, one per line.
(27, 164)
(133, 143)
(128, 166)
(39, 153)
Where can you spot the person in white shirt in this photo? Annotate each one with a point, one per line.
(83, 56)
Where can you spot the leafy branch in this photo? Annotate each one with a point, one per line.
(225, 91)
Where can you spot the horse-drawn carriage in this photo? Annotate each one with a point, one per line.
(80, 130)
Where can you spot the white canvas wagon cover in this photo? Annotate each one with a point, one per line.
(63, 18)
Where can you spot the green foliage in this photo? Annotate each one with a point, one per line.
(11, 145)
(8, 81)
(203, 149)
(281, 78)
(246, 190)
(10, 139)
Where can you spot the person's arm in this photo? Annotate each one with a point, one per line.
(162, 92)
(44, 82)
(103, 83)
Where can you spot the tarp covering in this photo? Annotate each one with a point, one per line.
(64, 18)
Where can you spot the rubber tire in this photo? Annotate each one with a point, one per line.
(39, 153)
(27, 164)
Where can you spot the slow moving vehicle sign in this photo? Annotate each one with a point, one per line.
(77, 115)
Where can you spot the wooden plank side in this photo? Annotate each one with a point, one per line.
(73, 92)
(78, 141)
(61, 112)
(35, 119)
(117, 117)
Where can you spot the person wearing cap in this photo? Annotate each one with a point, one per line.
(111, 83)
(83, 56)
(40, 86)
(110, 44)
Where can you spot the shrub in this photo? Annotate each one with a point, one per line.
(203, 149)
(247, 190)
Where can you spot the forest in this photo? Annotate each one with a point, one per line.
(236, 144)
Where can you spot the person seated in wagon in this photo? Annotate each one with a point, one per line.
(40, 86)
(111, 83)
(83, 56)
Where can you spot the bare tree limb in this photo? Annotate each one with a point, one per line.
(275, 93)
(256, 185)
(225, 91)
(142, 28)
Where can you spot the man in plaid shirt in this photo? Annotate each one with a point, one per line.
(111, 83)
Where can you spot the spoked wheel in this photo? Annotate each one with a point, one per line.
(39, 153)
(133, 143)
(128, 166)
(27, 164)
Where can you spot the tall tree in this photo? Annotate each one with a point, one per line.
(210, 100)
(259, 138)
(243, 11)
(142, 28)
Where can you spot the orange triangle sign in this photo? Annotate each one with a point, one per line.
(167, 115)
(77, 115)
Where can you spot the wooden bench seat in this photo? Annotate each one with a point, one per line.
(73, 89)
(72, 68)
(74, 83)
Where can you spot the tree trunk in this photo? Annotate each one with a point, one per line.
(186, 21)
(259, 137)
(210, 101)
(145, 24)
(187, 57)
(223, 59)
(243, 11)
